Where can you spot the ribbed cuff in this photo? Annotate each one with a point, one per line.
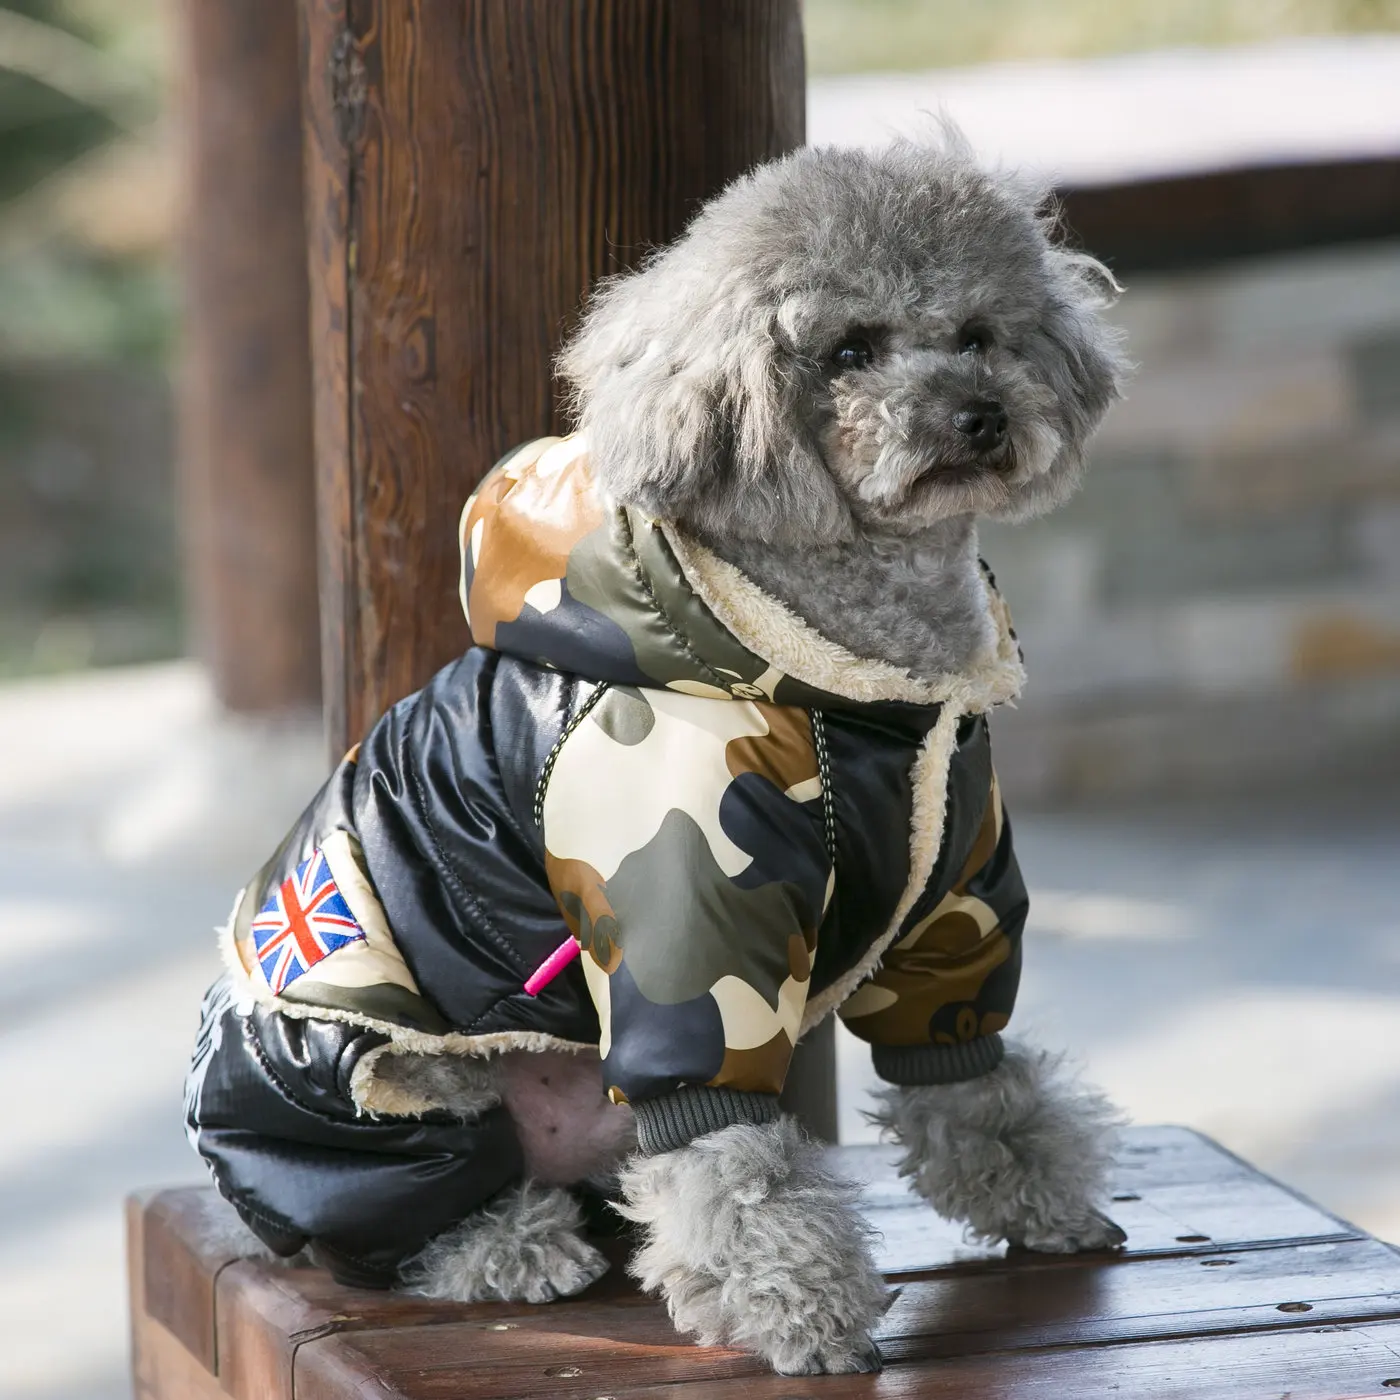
(937, 1064)
(672, 1120)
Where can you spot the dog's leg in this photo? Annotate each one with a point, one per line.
(1021, 1154)
(526, 1246)
(754, 1245)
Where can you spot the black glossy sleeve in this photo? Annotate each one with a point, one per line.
(268, 1106)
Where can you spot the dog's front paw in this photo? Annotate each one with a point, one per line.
(1020, 1154)
(524, 1248)
(855, 1354)
(810, 1337)
(1089, 1231)
(755, 1246)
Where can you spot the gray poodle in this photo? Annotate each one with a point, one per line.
(800, 408)
(845, 361)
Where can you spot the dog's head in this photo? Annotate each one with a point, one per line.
(846, 338)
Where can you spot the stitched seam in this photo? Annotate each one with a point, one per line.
(274, 1222)
(665, 617)
(818, 722)
(552, 757)
(451, 876)
(489, 744)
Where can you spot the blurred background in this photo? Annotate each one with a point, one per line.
(1205, 768)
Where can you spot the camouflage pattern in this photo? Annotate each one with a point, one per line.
(553, 573)
(951, 975)
(609, 761)
(685, 843)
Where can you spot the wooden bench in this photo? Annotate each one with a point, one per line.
(1231, 1286)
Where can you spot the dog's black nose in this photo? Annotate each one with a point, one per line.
(983, 423)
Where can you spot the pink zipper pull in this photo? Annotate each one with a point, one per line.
(552, 966)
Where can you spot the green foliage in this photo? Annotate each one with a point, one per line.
(79, 81)
(61, 94)
(88, 565)
(846, 36)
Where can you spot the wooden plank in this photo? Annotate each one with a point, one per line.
(472, 169)
(134, 1216)
(1027, 1305)
(248, 487)
(1334, 1363)
(265, 1314)
(1214, 216)
(183, 1249)
(809, 1092)
(1030, 1303)
(1301, 1364)
(450, 1363)
(279, 1332)
(332, 84)
(1175, 1192)
(1027, 1301)
(263, 1317)
(161, 1369)
(164, 1370)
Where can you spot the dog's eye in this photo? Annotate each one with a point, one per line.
(852, 354)
(974, 340)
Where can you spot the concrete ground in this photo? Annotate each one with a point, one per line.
(1234, 967)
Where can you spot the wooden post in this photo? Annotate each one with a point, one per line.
(810, 1091)
(472, 168)
(247, 481)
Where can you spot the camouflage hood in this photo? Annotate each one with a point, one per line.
(555, 574)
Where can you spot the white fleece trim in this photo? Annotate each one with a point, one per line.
(402, 1038)
(929, 783)
(775, 633)
(372, 1095)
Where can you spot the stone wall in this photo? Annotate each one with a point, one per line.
(1220, 606)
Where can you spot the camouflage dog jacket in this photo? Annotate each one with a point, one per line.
(743, 826)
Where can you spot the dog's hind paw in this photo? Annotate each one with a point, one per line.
(564, 1266)
(526, 1247)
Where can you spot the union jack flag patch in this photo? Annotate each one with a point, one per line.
(305, 919)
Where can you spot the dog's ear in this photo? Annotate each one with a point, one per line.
(1096, 286)
(693, 407)
(1090, 368)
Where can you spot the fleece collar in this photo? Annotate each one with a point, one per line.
(555, 573)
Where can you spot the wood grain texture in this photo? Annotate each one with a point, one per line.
(472, 169)
(163, 1370)
(1174, 1193)
(182, 1255)
(1311, 1314)
(161, 1367)
(247, 483)
(1305, 1364)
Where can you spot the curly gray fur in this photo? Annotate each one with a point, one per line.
(915, 601)
(755, 1245)
(1022, 1154)
(706, 385)
(462, 1085)
(526, 1246)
